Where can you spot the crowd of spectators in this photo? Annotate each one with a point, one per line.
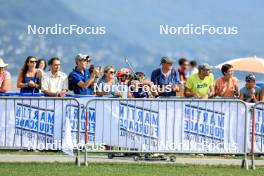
(188, 80)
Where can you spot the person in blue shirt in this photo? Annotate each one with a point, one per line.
(81, 81)
(250, 93)
(166, 78)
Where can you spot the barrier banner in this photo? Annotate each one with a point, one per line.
(186, 126)
(170, 126)
(34, 124)
(259, 129)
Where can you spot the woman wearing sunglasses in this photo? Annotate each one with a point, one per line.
(108, 84)
(29, 77)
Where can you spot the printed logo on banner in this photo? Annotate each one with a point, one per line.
(136, 123)
(259, 126)
(33, 121)
(72, 114)
(203, 125)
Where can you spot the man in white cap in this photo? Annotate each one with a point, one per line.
(80, 79)
(5, 77)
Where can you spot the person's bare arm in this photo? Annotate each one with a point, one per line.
(90, 81)
(100, 93)
(188, 92)
(48, 93)
(129, 95)
(61, 93)
(20, 83)
(257, 97)
(5, 86)
(212, 91)
(182, 78)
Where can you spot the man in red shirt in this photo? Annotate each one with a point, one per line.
(184, 65)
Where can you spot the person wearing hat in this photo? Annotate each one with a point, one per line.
(166, 78)
(80, 79)
(250, 93)
(5, 77)
(201, 84)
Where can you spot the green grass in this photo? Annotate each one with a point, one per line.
(122, 169)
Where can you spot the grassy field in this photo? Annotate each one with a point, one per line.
(98, 169)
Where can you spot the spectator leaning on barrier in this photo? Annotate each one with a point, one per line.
(54, 83)
(250, 93)
(41, 66)
(227, 86)
(184, 66)
(81, 81)
(5, 77)
(123, 76)
(200, 85)
(193, 67)
(141, 87)
(29, 77)
(108, 84)
(166, 78)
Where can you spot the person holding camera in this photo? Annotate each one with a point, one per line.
(81, 80)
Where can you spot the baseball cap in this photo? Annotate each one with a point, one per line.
(82, 56)
(204, 66)
(166, 60)
(250, 77)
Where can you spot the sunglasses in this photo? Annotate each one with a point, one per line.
(124, 76)
(32, 61)
(112, 72)
(84, 60)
